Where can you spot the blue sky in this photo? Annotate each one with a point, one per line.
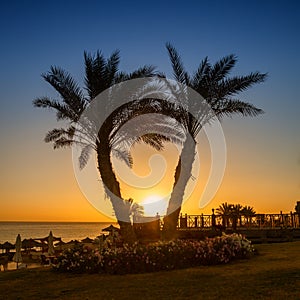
(263, 34)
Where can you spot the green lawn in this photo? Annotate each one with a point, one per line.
(273, 274)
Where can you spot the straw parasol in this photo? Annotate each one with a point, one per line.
(7, 246)
(18, 257)
(50, 244)
(87, 240)
(45, 239)
(59, 244)
(30, 243)
(111, 228)
(73, 242)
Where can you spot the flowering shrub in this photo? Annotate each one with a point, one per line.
(156, 256)
(78, 260)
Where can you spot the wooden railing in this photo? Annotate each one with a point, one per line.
(291, 220)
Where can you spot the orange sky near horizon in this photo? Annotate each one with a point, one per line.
(48, 191)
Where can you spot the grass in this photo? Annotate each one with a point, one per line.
(273, 274)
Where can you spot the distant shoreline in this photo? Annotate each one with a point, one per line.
(65, 230)
(60, 222)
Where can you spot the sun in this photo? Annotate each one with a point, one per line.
(153, 205)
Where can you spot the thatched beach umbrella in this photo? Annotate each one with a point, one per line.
(30, 243)
(46, 240)
(72, 243)
(87, 240)
(18, 257)
(100, 240)
(7, 246)
(50, 245)
(111, 228)
(59, 244)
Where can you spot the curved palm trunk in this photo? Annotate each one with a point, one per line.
(111, 185)
(182, 176)
(112, 188)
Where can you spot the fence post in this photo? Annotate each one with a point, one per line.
(196, 222)
(292, 220)
(213, 219)
(202, 221)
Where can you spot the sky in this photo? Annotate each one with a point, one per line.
(263, 153)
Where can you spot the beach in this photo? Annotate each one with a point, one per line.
(67, 231)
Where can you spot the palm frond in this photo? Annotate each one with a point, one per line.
(201, 73)
(122, 154)
(63, 111)
(222, 67)
(154, 140)
(145, 71)
(227, 107)
(234, 85)
(120, 77)
(178, 69)
(94, 73)
(63, 143)
(111, 68)
(66, 86)
(57, 133)
(84, 156)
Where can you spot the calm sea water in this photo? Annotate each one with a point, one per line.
(66, 231)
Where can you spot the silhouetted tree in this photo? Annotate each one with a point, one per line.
(100, 74)
(235, 214)
(224, 210)
(219, 90)
(136, 210)
(248, 212)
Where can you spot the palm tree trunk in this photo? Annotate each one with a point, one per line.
(182, 176)
(112, 189)
(224, 223)
(234, 222)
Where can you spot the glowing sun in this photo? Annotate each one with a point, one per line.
(154, 204)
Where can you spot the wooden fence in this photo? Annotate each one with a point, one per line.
(291, 220)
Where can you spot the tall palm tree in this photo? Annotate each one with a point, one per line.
(100, 74)
(219, 90)
(248, 212)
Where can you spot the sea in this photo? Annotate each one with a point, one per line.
(65, 230)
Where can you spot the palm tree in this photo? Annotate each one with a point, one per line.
(236, 213)
(136, 210)
(100, 74)
(219, 90)
(224, 210)
(248, 212)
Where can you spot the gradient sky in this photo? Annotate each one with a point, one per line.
(263, 159)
